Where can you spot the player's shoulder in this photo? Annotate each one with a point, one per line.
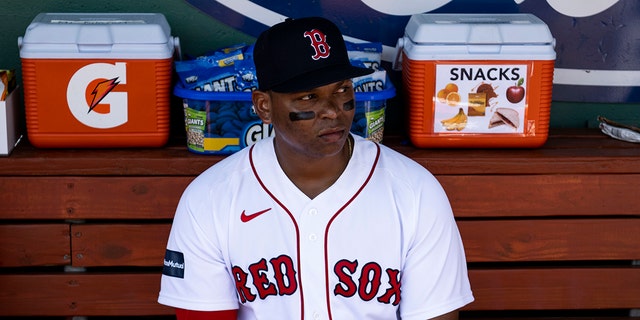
(223, 172)
(237, 166)
(393, 159)
(395, 164)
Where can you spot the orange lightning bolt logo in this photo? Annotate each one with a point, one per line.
(101, 90)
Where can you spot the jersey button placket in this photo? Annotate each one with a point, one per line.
(312, 262)
(312, 213)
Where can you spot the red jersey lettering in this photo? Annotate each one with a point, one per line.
(258, 272)
(346, 287)
(244, 292)
(369, 281)
(284, 274)
(394, 289)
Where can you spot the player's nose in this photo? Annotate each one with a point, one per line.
(330, 109)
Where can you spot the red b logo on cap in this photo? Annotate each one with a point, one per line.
(319, 44)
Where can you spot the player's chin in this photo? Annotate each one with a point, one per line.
(334, 135)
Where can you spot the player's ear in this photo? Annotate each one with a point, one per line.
(262, 105)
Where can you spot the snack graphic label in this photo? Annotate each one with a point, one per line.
(480, 98)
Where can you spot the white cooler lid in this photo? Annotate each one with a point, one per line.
(97, 35)
(517, 28)
(517, 36)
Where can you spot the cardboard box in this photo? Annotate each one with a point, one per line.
(10, 134)
(97, 79)
(478, 80)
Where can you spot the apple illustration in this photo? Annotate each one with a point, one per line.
(515, 93)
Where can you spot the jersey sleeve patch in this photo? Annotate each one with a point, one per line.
(173, 264)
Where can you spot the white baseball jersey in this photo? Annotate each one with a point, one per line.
(380, 243)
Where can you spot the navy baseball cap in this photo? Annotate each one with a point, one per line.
(302, 54)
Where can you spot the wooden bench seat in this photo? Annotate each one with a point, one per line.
(548, 232)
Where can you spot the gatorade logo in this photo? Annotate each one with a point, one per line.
(319, 44)
(82, 106)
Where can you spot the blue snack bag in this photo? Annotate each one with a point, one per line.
(366, 54)
(246, 71)
(224, 57)
(214, 71)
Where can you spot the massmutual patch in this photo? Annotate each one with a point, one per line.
(173, 264)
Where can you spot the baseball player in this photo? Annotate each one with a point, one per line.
(313, 223)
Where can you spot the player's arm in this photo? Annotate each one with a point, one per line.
(182, 314)
(453, 315)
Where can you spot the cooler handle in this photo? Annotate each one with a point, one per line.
(397, 61)
(177, 51)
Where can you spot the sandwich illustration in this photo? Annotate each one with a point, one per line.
(505, 116)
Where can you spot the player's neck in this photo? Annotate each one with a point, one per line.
(315, 175)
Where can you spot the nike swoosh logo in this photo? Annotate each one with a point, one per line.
(248, 217)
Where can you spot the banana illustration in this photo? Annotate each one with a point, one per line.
(457, 122)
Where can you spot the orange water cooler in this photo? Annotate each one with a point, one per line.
(477, 80)
(97, 80)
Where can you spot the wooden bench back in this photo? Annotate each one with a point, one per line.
(555, 228)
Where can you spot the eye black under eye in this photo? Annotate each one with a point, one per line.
(302, 115)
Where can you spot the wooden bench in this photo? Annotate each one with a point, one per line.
(553, 231)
